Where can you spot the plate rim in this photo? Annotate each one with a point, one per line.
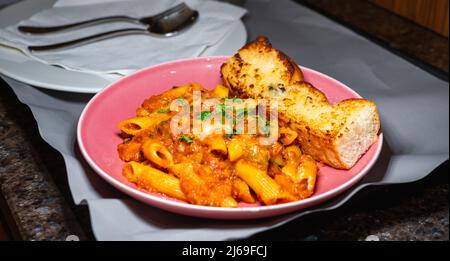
(287, 207)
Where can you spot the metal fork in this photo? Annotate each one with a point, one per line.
(166, 24)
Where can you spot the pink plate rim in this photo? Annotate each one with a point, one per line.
(219, 212)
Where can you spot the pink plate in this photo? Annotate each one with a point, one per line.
(98, 136)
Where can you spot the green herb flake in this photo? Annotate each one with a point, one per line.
(186, 139)
(241, 112)
(164, 110)
(204, 115)
(222, 110)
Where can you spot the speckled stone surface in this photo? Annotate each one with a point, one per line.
(34, 200)
(37, 199)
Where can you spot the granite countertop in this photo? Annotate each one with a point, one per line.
(36, 204)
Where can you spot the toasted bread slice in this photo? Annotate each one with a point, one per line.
(258, 64)
(337, 135)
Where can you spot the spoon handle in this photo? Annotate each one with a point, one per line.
(88, 39)
(51, 29)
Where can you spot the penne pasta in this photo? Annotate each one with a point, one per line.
(179, 91)
(186, 171)
(216, 143)
(229, 202)
(235, 150)
(308, 171)
(287, 135)
(264, 186)
(302, 177)
(149, 177)
(142, 112)
(292, 153)
(207, 165)
(290, 170)
(241, 191)
(220, 91)
(157, 153)
(135, 125)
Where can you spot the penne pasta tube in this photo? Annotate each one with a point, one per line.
(141, 112)
(216, 143)
(290, 170)
(157, 153)
(235, 150)
(220, 91)
(287, 135)
(186, 171)
(149, 177)
(307, 171)
(241, 191)
(229, 202)
(264, 186)
(292, 153)
(179, 91)
(135, 125)
(302, 175)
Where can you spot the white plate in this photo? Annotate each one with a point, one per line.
(18, 66)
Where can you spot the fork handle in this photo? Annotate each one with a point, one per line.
(88, 39)
(51, 29)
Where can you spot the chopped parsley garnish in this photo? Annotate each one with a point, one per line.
(180, 99)
(186, 139)
(164, 110)
(234, 98)
(204, 115)
(241, 112)
(222, 110)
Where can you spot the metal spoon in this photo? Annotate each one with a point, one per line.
(166, 24)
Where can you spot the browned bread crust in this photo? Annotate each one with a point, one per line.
(245, 69)
(337, 135)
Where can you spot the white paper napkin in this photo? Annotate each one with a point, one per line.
(126, 53)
